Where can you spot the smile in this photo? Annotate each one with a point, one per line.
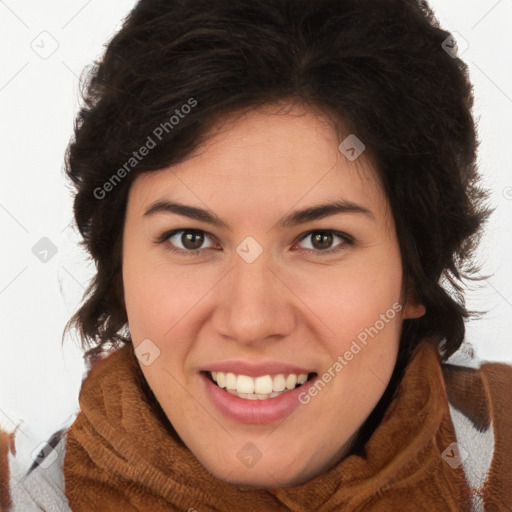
(263, 387)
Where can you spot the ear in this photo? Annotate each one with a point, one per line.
(413, 311)
(412, 305)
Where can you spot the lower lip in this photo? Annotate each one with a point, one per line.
(255, 411)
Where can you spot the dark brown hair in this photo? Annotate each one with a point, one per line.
(380, 66)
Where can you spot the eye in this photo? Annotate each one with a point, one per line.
(185, 241)
(321, 242)
(192, 242)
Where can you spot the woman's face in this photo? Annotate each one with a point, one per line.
(280, 261)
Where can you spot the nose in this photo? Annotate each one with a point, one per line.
(254, 304)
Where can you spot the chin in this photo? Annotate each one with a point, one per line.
(261, 476)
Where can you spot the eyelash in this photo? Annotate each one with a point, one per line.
(164, 237)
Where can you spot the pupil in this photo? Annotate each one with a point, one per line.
(322, 240)
(192, 239)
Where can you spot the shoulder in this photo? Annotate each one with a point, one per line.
(39, 487)
(480, 401)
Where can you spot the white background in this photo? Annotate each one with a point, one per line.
(39, 377)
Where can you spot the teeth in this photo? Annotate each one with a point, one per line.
(291, 381)
(244, 384)
(279, 383)
(260, 388)
(263, 385)
(221, 379)
(231, 381)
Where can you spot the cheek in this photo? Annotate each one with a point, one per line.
(349, 300)
(149, 297)
(359, 306)
(362, 311)
(149, 307)
(160, 298)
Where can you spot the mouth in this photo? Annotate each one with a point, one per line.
(264, 387)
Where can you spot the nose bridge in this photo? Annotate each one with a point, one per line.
(254, 303)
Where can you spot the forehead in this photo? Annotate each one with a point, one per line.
(266, 158)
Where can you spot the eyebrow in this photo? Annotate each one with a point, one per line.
(295, 218)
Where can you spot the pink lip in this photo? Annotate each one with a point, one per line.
(255, 411)
(256, 370)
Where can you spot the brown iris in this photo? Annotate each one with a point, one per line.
(322, 240)
(192, 239)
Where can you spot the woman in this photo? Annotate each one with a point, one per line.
(274, 194)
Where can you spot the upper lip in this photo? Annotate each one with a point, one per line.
(256, 370)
